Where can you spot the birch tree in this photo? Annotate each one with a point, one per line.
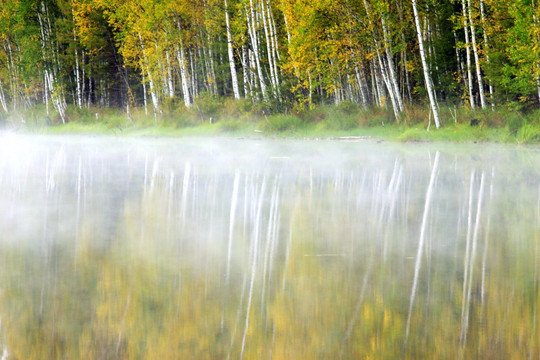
(427, 77)
(230, 53)
(476, 57)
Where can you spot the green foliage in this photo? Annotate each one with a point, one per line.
(281, 123)
(528, 133)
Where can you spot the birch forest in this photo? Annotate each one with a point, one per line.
(154, 54)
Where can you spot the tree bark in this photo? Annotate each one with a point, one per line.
(427, 77)
(3, 98)
(250, 14)
(234, 78)
(468, 53)
(153, 94)
(486, 51)
(476, 58)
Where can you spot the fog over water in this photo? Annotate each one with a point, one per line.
(250, 248)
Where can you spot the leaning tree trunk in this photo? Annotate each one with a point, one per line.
(391, 72)
(427, 77)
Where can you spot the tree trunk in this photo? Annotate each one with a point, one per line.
(390, 62)
(468, 52)
(145, 97)
(77, 67)
(230, 52)
(269, 50)
(48, 56)
(389, 86)
(360, 84)
(483, 18)
(245, 72)
(153, 94)
(250, 14)
(184, 75)
(427, 77)
(170, 85)
(476, 58)
(3, 98)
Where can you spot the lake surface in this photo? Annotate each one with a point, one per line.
(257, 249)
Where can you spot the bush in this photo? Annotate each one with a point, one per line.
(314, 115)
(208, 106)
(240, 109)
(347, 107)
(230, 125)
(281, 122)
(376, 117)
(528, 134)
(514, 122)
(341, 122)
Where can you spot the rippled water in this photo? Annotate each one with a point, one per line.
(228, 248)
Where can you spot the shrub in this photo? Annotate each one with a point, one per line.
(230, 125)
(237, 108)
(514, 122)
(347, 107)
(208, 106)
(340, 122)
(281, 122)
(528, 134)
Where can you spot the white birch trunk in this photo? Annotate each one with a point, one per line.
(184, 72)
(255, 44)
(274, 31)
(83, 83)
(170, 85)
(184, 75)
(245, 71)
(3, 98)
(77, 67)
(287, 29)
(153, 94)
(476, 58)
(268, 49)
(49, 74)
(391, 72)
(234, 78)
(377, 88)
(270, 45)
(483, 18)
(193, 78)
(360, 83)
(310, 94)
(389, 86)
(427, 77)
(468, 54)
(145, 97)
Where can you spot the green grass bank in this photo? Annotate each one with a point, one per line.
(212, 117)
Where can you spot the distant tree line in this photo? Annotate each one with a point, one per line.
(132, 53)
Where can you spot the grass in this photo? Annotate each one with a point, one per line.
(211, 117)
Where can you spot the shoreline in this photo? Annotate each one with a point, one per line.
(324, 122)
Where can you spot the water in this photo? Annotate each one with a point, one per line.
(225, 248)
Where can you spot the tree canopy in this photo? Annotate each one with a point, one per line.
(128, 53)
